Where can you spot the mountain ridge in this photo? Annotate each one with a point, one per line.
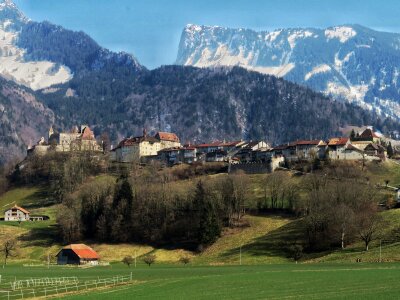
(349, 62)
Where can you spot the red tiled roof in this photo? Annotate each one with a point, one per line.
(213, 144)
(87, 134)
(338, 141)
(83, 251)
(231, 144)
(167, 136)
(19, 208)
(305, 142)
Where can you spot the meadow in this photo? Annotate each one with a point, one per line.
(268, 281)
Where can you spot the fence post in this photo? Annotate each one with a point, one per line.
(45, 292)
(22, 294)
(56, 290)
(131, 277)
(8, 295)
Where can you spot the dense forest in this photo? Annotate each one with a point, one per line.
(206, 104)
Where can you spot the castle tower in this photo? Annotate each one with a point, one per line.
(51, 131)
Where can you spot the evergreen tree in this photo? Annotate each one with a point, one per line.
(390, 151)
(123, 192)
(352, 134)
(208, 228)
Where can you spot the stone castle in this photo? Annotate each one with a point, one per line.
(78, 139)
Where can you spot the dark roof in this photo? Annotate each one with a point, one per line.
(375, 147)
(352, 147)
(127, 142)
(368, 133)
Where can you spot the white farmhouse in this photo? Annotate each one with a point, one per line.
(16, 213)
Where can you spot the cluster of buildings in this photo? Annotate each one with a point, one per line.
(167, 148)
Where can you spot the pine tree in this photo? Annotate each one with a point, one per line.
(352, 134)
(208, 228)
(390, 150)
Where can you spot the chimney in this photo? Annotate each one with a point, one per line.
(144, 132)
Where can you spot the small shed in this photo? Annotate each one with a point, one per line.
(16, 213)
(77, 254)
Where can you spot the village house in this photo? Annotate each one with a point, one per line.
(248, 150)
(186, 154)
(376, 150)
(170, 156)
(263, 155)
(189, 154)
(16, 213)
(217, 156)
(309, 149)
(337, 148)
(368, 136)
(78, 139)
(135, 148)
(225, 146)
(167, 139)
(77, 254)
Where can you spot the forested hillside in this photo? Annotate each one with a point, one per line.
(206, 104)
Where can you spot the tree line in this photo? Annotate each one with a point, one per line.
(154, 210)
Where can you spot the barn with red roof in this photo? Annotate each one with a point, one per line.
(77, 254)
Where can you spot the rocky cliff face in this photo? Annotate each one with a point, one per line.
(349, 62)
(23, 120)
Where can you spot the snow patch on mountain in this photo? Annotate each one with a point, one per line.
(318, 69)
(343, 33)
(270, 37)
(33, 74)
(298, 34)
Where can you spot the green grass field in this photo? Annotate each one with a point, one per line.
(274, 281)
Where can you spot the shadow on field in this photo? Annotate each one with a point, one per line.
(41, 236)
(275, 243)
(39, 199)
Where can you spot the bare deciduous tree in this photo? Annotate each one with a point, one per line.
(149, 259)
(8, 248)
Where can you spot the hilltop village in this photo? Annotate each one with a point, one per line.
(166, 147)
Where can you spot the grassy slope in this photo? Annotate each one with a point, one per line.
(263, 241)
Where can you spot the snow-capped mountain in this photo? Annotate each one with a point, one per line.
(350, 61)
(13, 65)
(40, 55)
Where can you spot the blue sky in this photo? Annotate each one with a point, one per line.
(151, 29)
